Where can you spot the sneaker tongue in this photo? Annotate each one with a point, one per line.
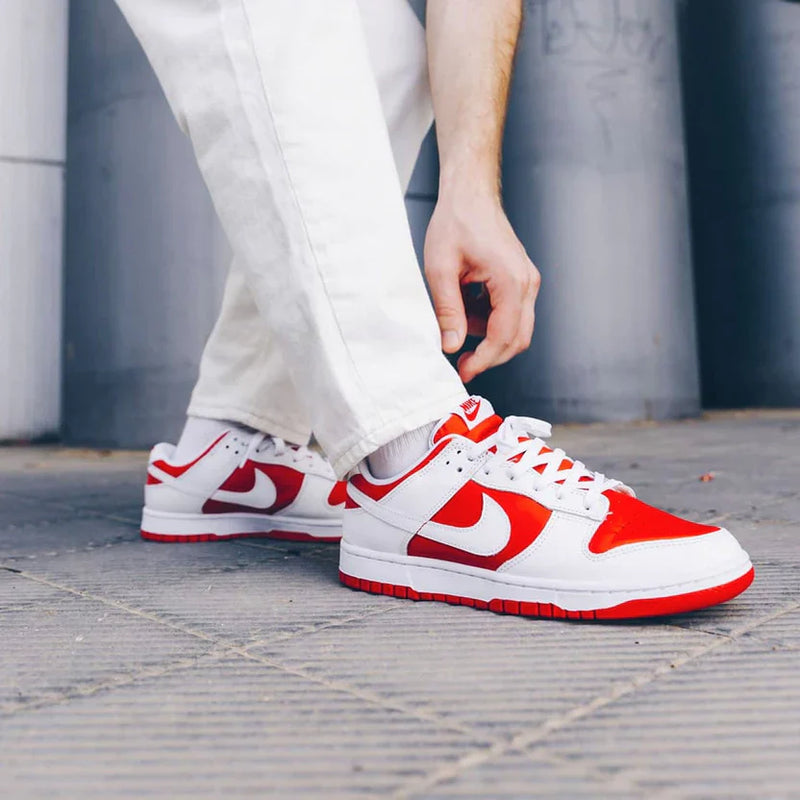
(474, 418)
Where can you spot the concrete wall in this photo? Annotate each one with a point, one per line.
(594, 181)
(742, 78)
(33, 59)
(595, 184)
(145, 256)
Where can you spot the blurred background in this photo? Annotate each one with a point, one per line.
(651, 168)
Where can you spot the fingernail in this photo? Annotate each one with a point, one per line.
(450, 340)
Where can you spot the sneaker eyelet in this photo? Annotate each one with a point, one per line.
(460, 469)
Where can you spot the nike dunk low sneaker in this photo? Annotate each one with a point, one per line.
(242, 486)
(492, 517)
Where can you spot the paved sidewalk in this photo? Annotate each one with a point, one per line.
(132, 669)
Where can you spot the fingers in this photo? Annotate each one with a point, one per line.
(528, 310)
(448, 304)
(510, 324)
(500, 342)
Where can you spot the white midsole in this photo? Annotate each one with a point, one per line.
(168, 523)
(437, 577)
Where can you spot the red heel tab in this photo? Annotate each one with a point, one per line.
(338, 495)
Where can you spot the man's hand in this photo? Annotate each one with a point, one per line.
(470, 55)
(470, 241)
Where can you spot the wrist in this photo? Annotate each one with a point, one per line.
(473, 181)
(471, 169)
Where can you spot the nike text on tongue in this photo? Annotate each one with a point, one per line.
(470, 419)
(474, 410)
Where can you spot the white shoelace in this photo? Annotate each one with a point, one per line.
(534, 460)
(259, 442)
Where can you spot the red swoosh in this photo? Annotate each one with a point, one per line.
(470, 415)
(464, 510)
(287, 484)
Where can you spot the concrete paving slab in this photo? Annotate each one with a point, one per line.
(132, 669)
(235, 728)
(494, 674)
(65, 644)
(71, 533)
(716, 727)
(520, 776)
(237, 592)
(19, 594)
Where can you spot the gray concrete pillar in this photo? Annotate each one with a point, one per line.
(33, 60)
(742, 79)
(594, 183)
(145, 257)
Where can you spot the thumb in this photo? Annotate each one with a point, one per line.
(449, 306)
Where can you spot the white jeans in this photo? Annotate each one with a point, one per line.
(306, 117)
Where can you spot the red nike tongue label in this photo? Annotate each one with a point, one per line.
(474, 410)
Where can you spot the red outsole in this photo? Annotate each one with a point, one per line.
(291, 536)
(650, 607)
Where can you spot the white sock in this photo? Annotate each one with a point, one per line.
(400, 453)
(198, 433)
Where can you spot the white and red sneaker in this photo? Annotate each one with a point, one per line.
(493, 518)
(242, 486)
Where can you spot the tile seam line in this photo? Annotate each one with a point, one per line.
(243, 651)
(223, 649)
(185, 629)
(371, 698)
(526, 741)
(216, 653)
(109, 602)
(39, 162)
(227, 648)
(118, 681)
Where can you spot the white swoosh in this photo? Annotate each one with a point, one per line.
(487, 537)
(262, 495)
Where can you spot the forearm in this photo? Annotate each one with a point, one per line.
(471, 46)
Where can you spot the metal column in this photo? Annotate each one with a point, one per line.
(33, 60)
(594, 183)
(145, 257)
(742, 78)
